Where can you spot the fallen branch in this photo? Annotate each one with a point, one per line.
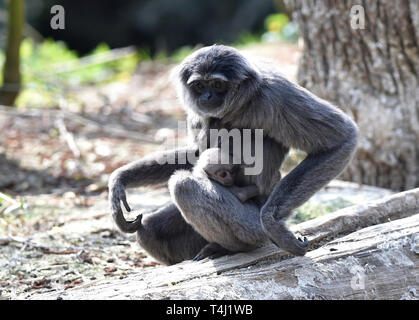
(14, 205)
(68, 138)
(50, 251)
(117, 132)
(365, 260)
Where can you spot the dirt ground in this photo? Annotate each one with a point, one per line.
(55, 230)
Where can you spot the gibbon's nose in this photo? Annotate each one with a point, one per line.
(209, 100)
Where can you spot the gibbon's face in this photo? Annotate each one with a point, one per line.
(213, 78)
(225, 176)
(209, 94)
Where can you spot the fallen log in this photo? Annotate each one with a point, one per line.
(361, 252)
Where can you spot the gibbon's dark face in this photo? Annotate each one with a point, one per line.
(209, 94)
(215, 80)
(225, 177)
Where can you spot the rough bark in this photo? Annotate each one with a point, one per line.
(11, 68)
(379, 261)
(373, 74)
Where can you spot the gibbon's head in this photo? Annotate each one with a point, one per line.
(217, 168)
(217, 80)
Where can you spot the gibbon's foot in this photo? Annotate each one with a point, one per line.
(211, 251)
(284, 239)
(297, 247)
(304, 240)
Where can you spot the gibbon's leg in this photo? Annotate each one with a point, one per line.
(166, 236)
(216, 213)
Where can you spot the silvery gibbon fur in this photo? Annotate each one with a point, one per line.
(221, 88)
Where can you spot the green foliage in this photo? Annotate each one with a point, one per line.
(176, 57)
(310, 211)
(181, 53)
(50, 68)
(290, 32)
(279, 28)
(275, 22)
(247, 38)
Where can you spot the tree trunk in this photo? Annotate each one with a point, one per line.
(373, 75)
(378, 261)
(11, 68)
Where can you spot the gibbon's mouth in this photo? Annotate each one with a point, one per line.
(225, 183)
(208, 105)
(213, 110)
(228, 183)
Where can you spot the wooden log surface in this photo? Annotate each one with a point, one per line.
(361, 252)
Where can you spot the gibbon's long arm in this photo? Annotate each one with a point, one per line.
(150, 170)
(306, 122)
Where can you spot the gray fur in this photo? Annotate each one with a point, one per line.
(205, 216)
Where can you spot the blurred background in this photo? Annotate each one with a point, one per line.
(103, 75)
(157, 26)
(86, 90)
(103, 41)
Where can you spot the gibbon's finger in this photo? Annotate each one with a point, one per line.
(124, 201)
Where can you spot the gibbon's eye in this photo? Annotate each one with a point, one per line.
(198, 86)
(218, 85)
(223, 174)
